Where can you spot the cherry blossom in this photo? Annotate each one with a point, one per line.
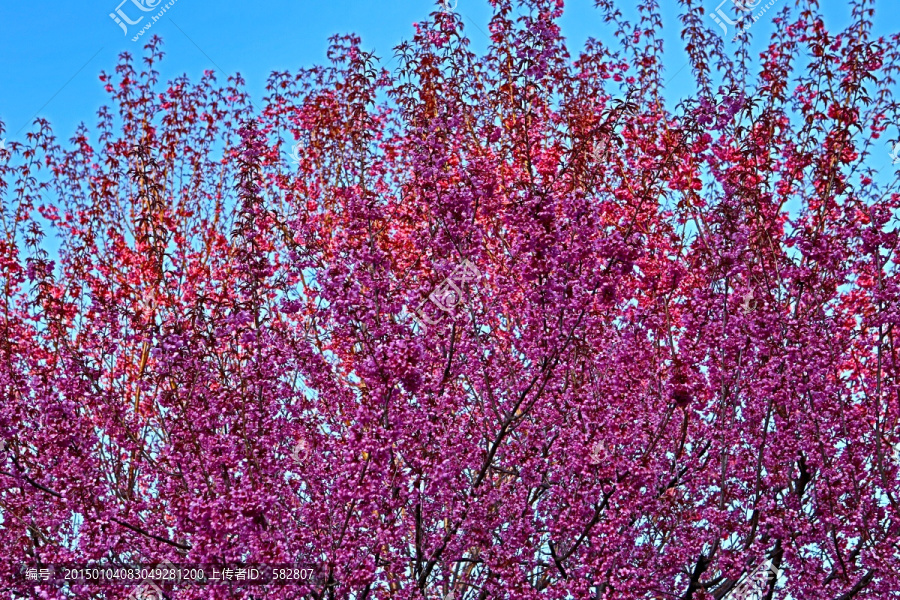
(677, 362)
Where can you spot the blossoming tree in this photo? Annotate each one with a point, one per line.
(482, 326)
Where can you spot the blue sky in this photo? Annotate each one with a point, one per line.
(51, 53)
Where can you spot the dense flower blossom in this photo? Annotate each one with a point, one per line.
(236, 332)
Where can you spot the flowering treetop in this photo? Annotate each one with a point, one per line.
(497, 326)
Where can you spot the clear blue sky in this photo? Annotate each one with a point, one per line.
(52, 52)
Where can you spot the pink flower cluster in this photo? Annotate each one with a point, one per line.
(678, 361)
